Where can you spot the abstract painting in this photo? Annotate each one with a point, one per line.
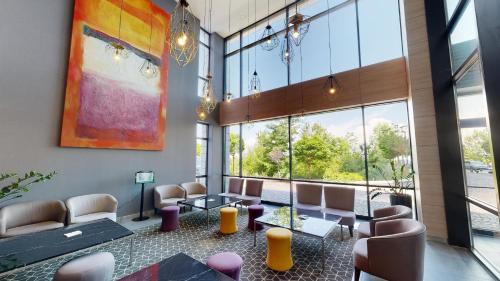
(109, 102)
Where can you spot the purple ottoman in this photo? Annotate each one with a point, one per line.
(169, 218)
(254, 212)
(228, 263)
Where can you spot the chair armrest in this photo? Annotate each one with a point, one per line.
(3, 222)
(383, 212)
(114, 204)
(157, 197)
(62, 212)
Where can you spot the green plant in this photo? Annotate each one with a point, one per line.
(20, 184)
(401, 179)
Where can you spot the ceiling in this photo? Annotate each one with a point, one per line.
(239, 13)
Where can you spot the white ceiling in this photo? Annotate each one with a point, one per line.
(239, 13)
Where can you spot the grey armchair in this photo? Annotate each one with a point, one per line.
(91, 207)
(168, 195)
(339, 200)
(367, 229)
(194, 190)
(395, 253)
(235, 188)
(30, 217)
(309, 196)
(253, 192)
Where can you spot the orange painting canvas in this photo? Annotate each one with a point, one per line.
(109, 102)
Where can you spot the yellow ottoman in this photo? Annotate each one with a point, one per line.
(279, 249)
(228, 220)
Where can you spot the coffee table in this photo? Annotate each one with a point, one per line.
(209, 202)
(310, 223)
(28, 249)
(179, 268)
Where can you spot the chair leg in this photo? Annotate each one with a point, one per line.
(357, 274)
(341, 233)
(351, 230)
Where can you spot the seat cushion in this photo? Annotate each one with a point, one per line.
(170, 202)
(249, 200)
(93, 217)
(307, 207)
(348, 217)
(192, 196)
(360, 254)
(364, 230)
(31, 228)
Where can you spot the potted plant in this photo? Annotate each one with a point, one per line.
(20, 184)
(401, 179)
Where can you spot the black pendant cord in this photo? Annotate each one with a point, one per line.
(209, 31)
(268, 12)
(205, 24)
(255, 33)
(150, 25)
(329, 36)
(229, 63)
(301, 82)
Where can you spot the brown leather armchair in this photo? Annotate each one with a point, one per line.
(367, 229)
(395, 253)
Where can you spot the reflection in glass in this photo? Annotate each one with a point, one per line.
(463, 38)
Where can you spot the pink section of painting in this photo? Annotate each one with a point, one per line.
(106, 104)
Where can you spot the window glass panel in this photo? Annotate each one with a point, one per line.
(451, 5)
(277, 22)
(203, 61)
(329, 147)
(233, 75)
(265, 152)
(200, 87)
(387, 138)
(384, 200)
(202, 180)
(204, 37)
(201, 131)
(232, 150)
(344, 39)
(486, 234)
(272, 72)
(277, 191)
(379, 29)
(463, 38)
(233, 43)
(201, 149)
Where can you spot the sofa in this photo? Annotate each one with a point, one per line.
(91, 207)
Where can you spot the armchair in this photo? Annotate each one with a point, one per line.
(309, 196)
(168, 195)
(91, 207)
(194, 190)
(339, 200)
(235, 188)
(367, 229)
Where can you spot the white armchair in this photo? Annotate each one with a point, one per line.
(91, 207)
(194, 190)
(168, 195)
(30, 217)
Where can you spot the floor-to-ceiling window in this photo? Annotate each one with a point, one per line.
(333, 147)
(202, 153)
(473, 122)
(203, 59)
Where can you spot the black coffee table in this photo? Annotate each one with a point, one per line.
(310, 223)
(180, 267)
(24, 250)
(209, 202)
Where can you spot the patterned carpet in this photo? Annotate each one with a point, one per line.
(193, 238)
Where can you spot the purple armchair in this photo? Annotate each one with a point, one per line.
(367, 229)
(235, 188)
(395, 253)
(339, 200)
(309, 196)
(253, 192)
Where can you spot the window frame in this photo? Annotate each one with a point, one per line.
(206, 140)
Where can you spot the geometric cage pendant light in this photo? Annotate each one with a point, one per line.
(148, 69)
(116, 49)
(269, 38)
(208, 102)
(183, 42)
(298, 26)
(331, 87)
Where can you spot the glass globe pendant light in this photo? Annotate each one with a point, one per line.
(331, 87)
(254, 85)
(200, 112)
(183, 42)
(298, 26)
(148, 69)
(116, 49)
(208, 102)
(287, 52)
(269, 38)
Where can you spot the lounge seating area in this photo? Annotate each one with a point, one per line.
(248, 140)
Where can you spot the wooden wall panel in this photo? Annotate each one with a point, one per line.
(380, 82)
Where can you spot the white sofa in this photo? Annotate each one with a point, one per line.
(91, 207)
(30, 217)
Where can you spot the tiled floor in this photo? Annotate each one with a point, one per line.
(150, 246)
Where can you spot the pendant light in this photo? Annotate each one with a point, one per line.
(298, 26)
(229, 96)
(254, 87)
(287, 52)
(148, 69)
(269, 38)
(331, 87)
(117, 49)
(208, 101)
(183, 42)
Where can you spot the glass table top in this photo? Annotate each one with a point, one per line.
(210, 201)
(315, 223)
